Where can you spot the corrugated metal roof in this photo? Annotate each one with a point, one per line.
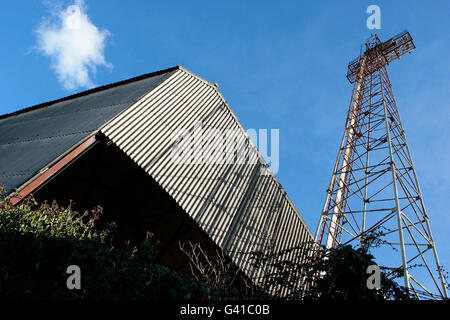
(239, 208)
(33, 137)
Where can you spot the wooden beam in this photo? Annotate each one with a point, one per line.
(47, 173)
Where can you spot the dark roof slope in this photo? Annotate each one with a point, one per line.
(33, 137)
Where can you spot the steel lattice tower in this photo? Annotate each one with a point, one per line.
(374, 185)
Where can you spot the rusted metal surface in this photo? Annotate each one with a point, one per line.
(380, 192)
(387, 52)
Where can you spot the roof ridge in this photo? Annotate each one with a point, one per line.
(89, 91)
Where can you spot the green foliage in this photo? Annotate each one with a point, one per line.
(343, 277)
(39, 242)
(310, 273)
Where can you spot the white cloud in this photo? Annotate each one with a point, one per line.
(74, 44)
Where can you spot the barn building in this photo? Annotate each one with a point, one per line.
(114, 146)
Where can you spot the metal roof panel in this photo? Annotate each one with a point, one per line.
(32, 138)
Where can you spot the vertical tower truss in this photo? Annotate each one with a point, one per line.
(374, 184)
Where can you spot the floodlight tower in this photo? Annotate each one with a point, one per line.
(374, 184)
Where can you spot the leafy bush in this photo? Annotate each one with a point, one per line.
(343, 277)
(39, 242)
(310, 273)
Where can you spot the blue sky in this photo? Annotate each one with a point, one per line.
(279, 64)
